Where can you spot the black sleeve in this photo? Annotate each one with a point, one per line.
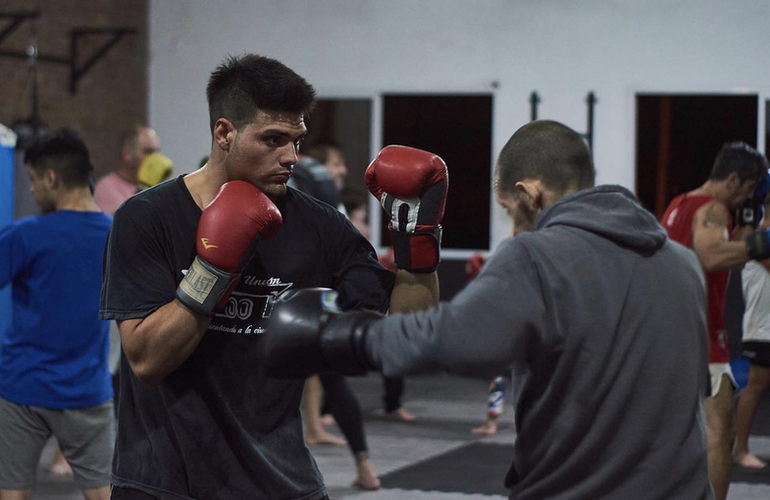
(139, 268)
(362, 282)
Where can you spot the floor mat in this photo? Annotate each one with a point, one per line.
(752, 476)
(479, 468)
(475, 468)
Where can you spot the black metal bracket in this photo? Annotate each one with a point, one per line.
(76, 72)
(591, 100)
(16, 19)
(534, 100)
(76, 34)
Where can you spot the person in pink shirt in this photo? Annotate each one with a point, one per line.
(116, 187)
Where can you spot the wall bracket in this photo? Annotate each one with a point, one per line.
(76, 71)
(591, 100)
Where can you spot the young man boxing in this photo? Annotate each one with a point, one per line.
(192, 268)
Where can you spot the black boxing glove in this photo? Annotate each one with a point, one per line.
(308, 334)
(759, 244)
(753, 210)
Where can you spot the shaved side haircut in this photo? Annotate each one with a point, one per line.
(242, 86)
(548, 151)
(63, 152)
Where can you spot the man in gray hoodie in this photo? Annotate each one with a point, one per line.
(601, 317)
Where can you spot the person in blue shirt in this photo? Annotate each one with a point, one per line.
(54, 376)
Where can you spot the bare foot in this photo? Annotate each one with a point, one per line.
(402, 414)
(749, 461)
(327, 420)
(59, 466)
(366, 479)
(323, 437)
(488, 428)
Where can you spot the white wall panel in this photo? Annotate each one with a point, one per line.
(560, 48)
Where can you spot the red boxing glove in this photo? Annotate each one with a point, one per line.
(474, 264)
(411, 185)
(228, 232)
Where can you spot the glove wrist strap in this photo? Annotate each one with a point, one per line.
(203, 287)
(759, 245)
(418, 251)
(343, 342)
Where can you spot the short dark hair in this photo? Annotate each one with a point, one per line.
(241, 86)
(63, 152)
(548, 151)
(741, 158)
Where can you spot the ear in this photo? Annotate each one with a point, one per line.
(224, 134)
(734, 179)
(532, 190)
(50, 178)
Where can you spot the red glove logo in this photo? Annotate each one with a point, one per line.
(206, 244)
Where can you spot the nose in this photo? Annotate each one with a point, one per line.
(289, 155)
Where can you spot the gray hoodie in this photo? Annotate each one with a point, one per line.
(601, 319)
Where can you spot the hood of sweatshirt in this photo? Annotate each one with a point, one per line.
(610, 211)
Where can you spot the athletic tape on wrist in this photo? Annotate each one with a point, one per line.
(203, 286)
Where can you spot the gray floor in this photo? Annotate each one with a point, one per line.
(447, 407)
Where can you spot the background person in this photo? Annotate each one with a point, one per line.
(117, 186)
(702, 220)
(755, 282)
(330, 155)
(356, 207)
(331, 391)
(497, 386)
(54, 376)
(141, 166)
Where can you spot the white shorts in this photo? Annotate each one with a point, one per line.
(716, 370)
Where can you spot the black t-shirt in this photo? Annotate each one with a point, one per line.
(217, 427)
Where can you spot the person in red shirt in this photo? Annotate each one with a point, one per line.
(702, 220)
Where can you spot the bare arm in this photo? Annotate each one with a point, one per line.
(157, 344)
(414, 292)
(710, 239)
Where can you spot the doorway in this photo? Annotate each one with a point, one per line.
(678, 137)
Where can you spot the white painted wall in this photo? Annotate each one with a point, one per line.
(560, 48)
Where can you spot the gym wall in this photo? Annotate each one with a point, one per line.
(110, 96)
(560, 48)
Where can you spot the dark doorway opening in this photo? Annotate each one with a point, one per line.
(459, 129)
(678, 136)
